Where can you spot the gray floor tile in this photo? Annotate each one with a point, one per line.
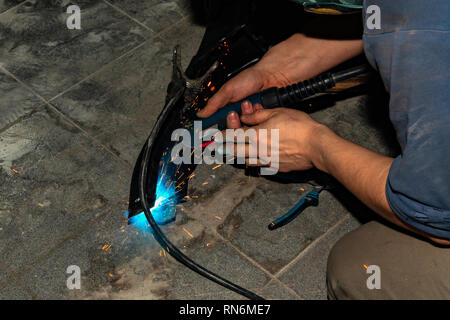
(15, 101)
(39, 49)
(54, 182)
(120, 104)
(155, 14)
(13, 291)
(308, 275)
(135, 267)
(116, 262)
(246, 227)
(7, 4)
(275, 291)
(224, 261)
(4, 278)
(188, 35)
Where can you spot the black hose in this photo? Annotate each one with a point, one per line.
(172, 249)
(292, 95)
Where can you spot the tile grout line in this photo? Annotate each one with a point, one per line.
(90, 76)
(50, 252)
(18, 281)
(13, 7)
(312, 245)
(127, 15)
(66, 118)
(156, 34)
(256, 264)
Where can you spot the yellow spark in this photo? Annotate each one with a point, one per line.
(209, 244)
(218, 218)
(365, 266)
(218, 166)
(188, 233)
(106, 247)
(111, 275)
(205, 183)
(15, 171)
(41, 205)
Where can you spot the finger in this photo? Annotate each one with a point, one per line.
(257, 117)
(217, 101)
(247, 107)
(233, 121)
(258, 106)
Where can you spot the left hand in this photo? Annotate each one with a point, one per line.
(296, 133)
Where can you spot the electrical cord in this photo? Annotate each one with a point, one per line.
(172, 249)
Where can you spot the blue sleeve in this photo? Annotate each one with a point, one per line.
(418, 186)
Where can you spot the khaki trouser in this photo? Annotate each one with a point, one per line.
(410, 268)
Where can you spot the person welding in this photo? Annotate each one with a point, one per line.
(410, 48)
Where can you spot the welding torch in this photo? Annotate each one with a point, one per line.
(286, 97)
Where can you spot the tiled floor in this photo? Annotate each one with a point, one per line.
(76, 107)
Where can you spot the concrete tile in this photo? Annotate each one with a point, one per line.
(15, 101)
(246, 227)
(308, 275)
(220, 259)
(135, 267)
(188, 35)
(116, 262)
(54, 181)
(275, 291)
(155, 14)
(7, 4)
(13, 291)
(39, 49)
(4, 278)
(120, 104)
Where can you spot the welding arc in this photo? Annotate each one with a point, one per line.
(172, 249)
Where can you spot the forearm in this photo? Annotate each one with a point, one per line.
(305, 57)
(361, 171)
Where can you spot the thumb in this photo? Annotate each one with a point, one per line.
(257, 117)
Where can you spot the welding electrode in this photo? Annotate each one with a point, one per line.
(286, 97)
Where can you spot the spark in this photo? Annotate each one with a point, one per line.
(218, 166)
(205, 183)
(15, 171)
(188, 233)
(106, 247)
(365, 266)
(218, 218)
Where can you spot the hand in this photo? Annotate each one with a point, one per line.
(296, 59)
(296, 133)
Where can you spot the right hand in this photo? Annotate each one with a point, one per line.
(295, 59)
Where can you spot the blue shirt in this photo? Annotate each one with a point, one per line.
(412, 53)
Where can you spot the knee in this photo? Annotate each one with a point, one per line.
(345, 269)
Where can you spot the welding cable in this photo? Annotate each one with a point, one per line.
(171, 248)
